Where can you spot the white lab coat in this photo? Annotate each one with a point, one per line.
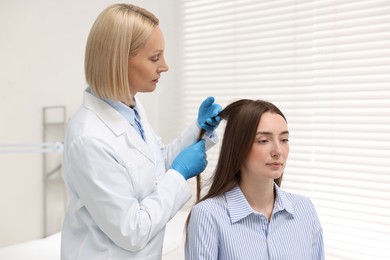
(121, 195)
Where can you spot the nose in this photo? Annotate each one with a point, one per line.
(276, 150)
(163, 66)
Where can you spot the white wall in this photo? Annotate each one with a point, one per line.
(41, 64)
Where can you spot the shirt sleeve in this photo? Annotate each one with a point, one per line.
(202, 236)
(318, 240)
(318, 246)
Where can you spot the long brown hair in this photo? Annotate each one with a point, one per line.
(242, 117)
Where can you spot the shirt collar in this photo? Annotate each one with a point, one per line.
(282, 202)
(237, 204)
(239, 207)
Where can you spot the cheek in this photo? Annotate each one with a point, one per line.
(286, 151)
(256, 155)
(136, 76)
(138, 68)
(255, 161)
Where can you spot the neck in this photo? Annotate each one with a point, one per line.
(260, 195)
(129, 103)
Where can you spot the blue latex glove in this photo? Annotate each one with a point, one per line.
(191, 161)
(208, 117)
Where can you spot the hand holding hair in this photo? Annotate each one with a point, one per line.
(191, 161)
(208, 118)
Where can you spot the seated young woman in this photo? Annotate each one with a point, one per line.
(245, 214)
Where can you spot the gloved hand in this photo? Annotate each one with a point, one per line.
(208, 117)
(191, 161)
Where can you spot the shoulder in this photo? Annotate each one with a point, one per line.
(84, 123)
(295, 198)
(95, 118)
(86, 133)
(212, 204)
(299, 203)
(211, 208)
(301, 207)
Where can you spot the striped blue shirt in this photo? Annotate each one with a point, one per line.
(226, 227)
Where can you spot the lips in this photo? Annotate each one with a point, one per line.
(275, 165)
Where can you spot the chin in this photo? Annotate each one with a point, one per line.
(151, 89)
(277, 175)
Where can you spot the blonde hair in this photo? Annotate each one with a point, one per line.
(118, 33)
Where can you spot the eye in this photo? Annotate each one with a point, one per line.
(155, 58)
(262, 141)
(285, 140)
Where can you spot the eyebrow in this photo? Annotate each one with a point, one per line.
(269, 133)
(158, 51)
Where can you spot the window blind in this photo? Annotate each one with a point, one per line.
(326, 64)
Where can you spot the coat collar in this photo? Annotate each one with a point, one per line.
(109, 116)
(116, 122)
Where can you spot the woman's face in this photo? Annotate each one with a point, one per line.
(268, 155)
(146, 66)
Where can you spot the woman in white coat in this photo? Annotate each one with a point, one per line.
(124, 184)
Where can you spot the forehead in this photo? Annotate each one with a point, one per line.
(155, 42)
(272, 122)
